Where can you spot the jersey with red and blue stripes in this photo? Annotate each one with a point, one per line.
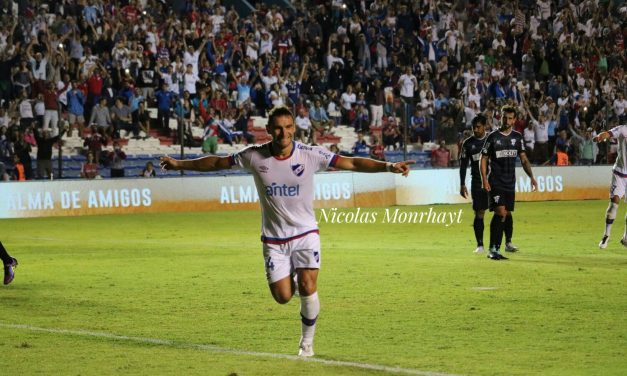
(285, 187)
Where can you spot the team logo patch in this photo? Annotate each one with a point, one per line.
(496, 199)
(298, 169)
(317, 256)
(513, 142)
(263, 169)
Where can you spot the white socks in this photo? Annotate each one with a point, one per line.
(309, 309)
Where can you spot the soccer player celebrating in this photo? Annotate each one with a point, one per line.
(500, 151)
(283, 170)
(9, 265)
(619, 180)
(471, 154)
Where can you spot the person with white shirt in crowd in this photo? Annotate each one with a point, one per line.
(407, 83)
(619, 105)
(189, 81)
(304, 129)
(347, 100)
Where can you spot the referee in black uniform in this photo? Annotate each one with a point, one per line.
(471, 155)
(500, 151)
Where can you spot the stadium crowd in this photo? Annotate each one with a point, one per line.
(380, 66)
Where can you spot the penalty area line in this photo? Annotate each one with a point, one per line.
(218, 349)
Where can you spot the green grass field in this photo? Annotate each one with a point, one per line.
(185, 294)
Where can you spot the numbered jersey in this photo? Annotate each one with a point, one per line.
(285, 187)
(503, 149)
(471, 150)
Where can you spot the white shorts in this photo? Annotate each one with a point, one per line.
(282, 259)
(619, 184)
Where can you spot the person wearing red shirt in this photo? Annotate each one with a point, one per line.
(440, 156)
(51, 114)
(94, 88)
(130, 12)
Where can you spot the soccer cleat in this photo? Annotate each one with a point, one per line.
(604, 241)
(305, 350)
(494, 254)
(9, 272)
(479, 249)
(510, 247)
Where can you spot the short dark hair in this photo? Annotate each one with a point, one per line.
(277, 112)
(508, 109)
(479, 119)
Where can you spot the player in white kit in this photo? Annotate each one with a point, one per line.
(283, 170)
(619, 181)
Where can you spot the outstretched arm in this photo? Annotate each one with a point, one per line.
(208, 163)
(371, 165)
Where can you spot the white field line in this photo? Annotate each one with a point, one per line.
(217, 349)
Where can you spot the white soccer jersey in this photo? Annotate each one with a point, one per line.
(286, 188)
(620, 133)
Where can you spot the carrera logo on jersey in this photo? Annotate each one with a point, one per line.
(507, 153)
(263, 169)
(304, 147)
(298, 169)
(284, 190)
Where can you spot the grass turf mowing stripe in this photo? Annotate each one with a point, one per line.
(212, 348)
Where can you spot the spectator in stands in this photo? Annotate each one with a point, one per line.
(44, 152)
(361, 123)
(148, 171)
(94, 143)
(210, 137)
(392, 138)
(304, 129)
(141, 119)
(376, 98)
(76, 108)
(51, 115)
(587, 147)
(319, 119)
(347, 101)
(89, 169)
(377, 150)
(122, 119)
(360, 147)
(116, 160)
(26, 111)
(448, 132)
(18, 169)
(441, 156)
(23, 149)
(101, 117)
(165, 98)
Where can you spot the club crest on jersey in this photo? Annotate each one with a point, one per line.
(513, 142)
(298, 169)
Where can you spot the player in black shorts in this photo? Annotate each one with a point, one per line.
(500, 151)
(9, 264)
(471, 155)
